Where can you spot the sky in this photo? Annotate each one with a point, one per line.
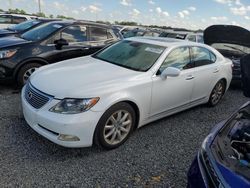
(190, 14)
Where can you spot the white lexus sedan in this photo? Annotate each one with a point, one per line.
(102, 98)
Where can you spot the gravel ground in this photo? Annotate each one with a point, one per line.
(157, 155)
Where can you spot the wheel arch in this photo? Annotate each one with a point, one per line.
(137, 111)
(27, 61)
(225, 82)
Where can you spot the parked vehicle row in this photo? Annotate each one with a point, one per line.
(190, 36)
(119, 86)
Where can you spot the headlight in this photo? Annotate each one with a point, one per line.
(74, 106)
(7, 53)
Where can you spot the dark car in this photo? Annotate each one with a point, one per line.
(23, 27)
(224, 159)
(231, 41)
(49, 43)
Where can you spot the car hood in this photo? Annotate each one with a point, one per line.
(227, 34)
(6, 31)
(81, 77)
(12, 41)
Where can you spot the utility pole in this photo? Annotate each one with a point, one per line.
(39, 6)
(10, 2)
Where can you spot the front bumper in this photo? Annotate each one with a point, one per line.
(52, 125)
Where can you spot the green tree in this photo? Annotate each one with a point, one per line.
(51, 16)
(40, 14)
(64, 17)
(126, 23)
(16, 11)
(103, 22)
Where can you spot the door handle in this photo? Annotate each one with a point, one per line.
(190, 77)
(85, 48)
(216, 70)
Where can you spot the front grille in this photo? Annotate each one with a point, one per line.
(36, 98)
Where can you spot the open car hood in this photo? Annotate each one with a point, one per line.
(227, 34)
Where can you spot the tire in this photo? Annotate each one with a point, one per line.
(111, 128)
(217, 93)
(25, 71)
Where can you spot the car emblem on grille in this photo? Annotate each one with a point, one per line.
(30, 95)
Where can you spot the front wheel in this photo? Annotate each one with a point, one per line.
(217, 93)
(115, 126)
(25, 72)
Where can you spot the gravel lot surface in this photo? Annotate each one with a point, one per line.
(157, 155)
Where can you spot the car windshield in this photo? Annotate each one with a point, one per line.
(131, 54)
(238, 49)
(41, 32)
(24, 25)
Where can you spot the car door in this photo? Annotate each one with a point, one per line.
(206, 72)
(174, 92)
(77, 39)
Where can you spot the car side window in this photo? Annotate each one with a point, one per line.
(178, 58)
(5, 19)
(17, 19)
(97, 34)
(191, 38)
(200, 39)
(74, 34)
(202, 56)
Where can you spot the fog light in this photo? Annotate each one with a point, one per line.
(65, 137)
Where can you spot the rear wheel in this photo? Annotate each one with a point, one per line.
(217, 93)
(115, 126)
(25, 72)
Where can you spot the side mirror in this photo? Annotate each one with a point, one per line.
(60, 43)
(171, 72)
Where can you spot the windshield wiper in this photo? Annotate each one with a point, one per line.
(234, 48)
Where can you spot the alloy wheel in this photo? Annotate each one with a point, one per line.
(217, 93)
(28, 73)
(117, 127)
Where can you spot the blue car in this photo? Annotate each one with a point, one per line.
(224, 158)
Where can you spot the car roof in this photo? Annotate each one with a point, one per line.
(71, 22)
(161, 41)
(47, 19)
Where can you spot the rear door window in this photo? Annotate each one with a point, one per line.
(17, 19)
(74, 34)
(5, 19)
(202, 56)
(200, 39)
(97, 34)
(191, 38)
